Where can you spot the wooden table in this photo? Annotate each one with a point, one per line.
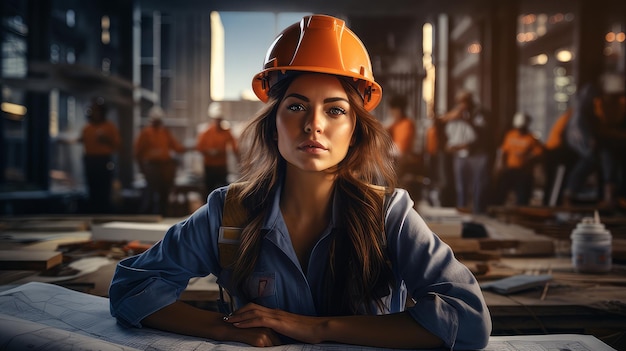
(573, 303)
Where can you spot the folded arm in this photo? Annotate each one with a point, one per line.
(185, 319)
(398, 330)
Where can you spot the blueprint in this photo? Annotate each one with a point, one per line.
(20, 334)
(42, 316)
(562, 342)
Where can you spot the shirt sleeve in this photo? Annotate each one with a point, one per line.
(145, 283)
(173, 143)
(537, 147)
(116, 139)
(140, 146)
(506, 142)
(406, 136)
(200, 143)
(448, 299)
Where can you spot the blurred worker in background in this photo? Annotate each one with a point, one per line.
(520, 152)
(101, 140)
(402, 131)
(557, 160)
(597, 134)
(153, 152)
(213, 143)
(467, 141)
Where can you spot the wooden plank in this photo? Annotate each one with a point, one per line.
(446, 229)
(29, 260)
(443, 221)
(483, 255)
(48, 226)
(17, 220)
(532, 248)
(459, 245)
(558, 222)
(128, 231)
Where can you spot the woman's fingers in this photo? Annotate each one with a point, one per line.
(253, 315)
(259, 337)
(285, 323)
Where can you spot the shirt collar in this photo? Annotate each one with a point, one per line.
(274, 216)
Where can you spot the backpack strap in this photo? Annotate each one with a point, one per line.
(234, 217)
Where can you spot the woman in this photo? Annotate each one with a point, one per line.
(324, 255)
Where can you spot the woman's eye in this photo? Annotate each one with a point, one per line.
(337, 111)
(296, 107)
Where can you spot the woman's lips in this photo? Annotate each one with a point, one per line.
(311, 146)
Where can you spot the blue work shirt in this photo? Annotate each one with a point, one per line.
(448, 300)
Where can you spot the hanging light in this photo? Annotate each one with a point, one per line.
(564, 55)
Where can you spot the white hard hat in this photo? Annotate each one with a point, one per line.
(215, 110)
(520, 119)
(613, 83)
(156, 112)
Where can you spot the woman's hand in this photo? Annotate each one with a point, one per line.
(397, 330)
(182, 318)
(298, 327)
(258, 337)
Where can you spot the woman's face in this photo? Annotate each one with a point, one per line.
(314, 123)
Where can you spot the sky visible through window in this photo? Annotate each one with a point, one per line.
(247, 36)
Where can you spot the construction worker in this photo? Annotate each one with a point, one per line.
(213, 144)
(520, 152)
(101, 141)
(154, 150)
(326, 249)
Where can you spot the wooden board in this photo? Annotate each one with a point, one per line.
(128, 231)
(446, 229)
(29, 260)
(48, 226)
(460, 245)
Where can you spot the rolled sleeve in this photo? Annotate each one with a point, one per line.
(150, 296)
(448, 299)
(145, 283)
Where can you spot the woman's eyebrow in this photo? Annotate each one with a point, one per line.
(334, 99)
(327, 100)
(298, 96)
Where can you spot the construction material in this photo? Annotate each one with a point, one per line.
(29, 260)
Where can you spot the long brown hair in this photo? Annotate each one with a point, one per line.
(358, 271)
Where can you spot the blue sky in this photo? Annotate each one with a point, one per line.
(247, 38)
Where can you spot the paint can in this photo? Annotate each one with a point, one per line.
(591, 246)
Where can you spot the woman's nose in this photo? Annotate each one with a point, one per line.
(314, 122)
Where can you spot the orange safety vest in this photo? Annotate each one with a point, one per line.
(518, 148)
(100, 139)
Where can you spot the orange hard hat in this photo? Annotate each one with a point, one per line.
(322, 44)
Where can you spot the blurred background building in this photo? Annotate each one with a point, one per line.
(519, 55)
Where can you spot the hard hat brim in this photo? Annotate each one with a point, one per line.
(261, 85)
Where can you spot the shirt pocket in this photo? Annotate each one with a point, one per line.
(261, 288)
